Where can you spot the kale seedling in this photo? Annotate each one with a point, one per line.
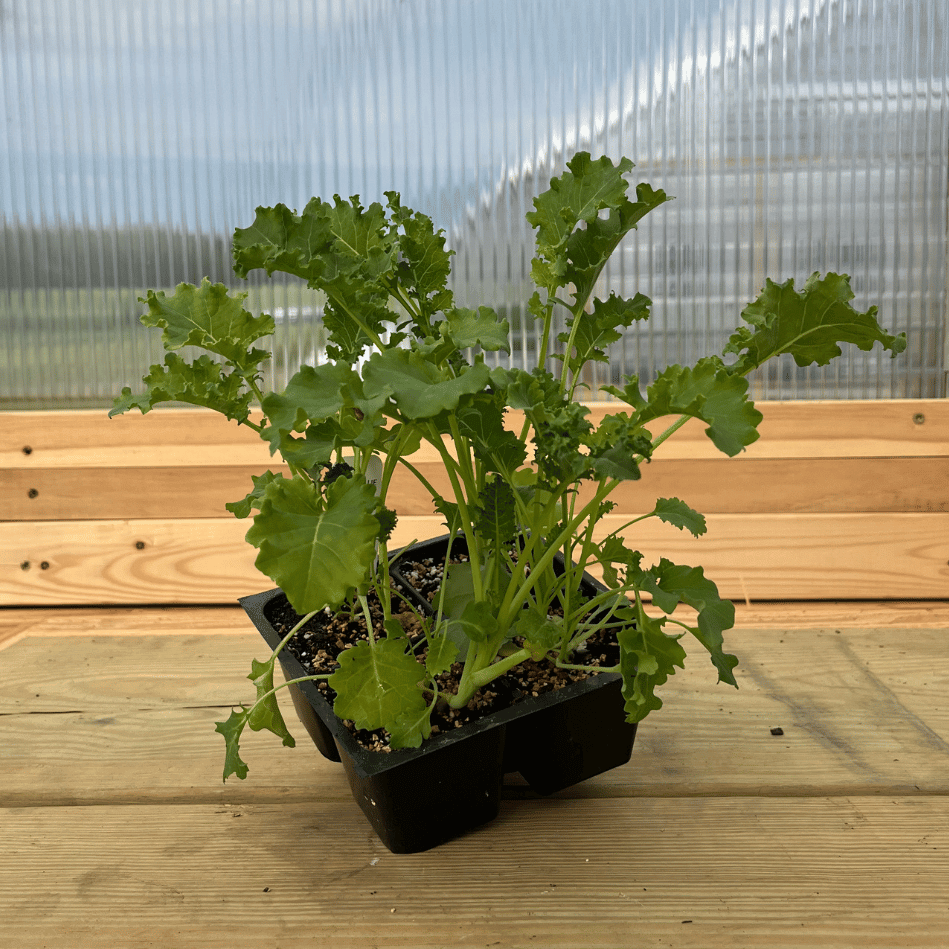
(406, 366)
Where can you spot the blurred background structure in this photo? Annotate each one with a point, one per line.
(796, 135)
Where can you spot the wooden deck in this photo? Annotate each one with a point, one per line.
(117, 831)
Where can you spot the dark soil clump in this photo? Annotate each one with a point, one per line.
(318, 643)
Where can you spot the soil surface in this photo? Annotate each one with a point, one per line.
(317, 645)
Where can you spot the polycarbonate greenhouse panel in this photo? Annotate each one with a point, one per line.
(796, 135)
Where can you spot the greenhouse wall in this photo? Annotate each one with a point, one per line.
(796, 136)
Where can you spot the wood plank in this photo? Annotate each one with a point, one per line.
(183, 437)
(843, 614)
(768, 874)
(112, 717)
(177, 620)
(746, 485)
(179, 561)
(750, 557)
(741, 485)
(809, 556)
(194, 560)
(831, 429)
(88, 438)
(84, 494)
(130, 620)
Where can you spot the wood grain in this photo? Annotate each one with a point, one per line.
(107, 717)
(115, 829)
(741, 485)
(768, 874)
(180, 437)
(831, 429)
(224, 620)
(88, 438)
(810, 556)
(179, 561)
(85, 494)
(754, 556)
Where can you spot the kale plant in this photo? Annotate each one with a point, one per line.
(322, 531)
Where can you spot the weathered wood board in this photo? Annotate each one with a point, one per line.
(116, 830)
(182, 437)
(78, 705)
(705, 873)
(754, 556)
(836, 499)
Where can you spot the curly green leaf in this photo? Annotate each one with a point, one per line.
(377, 686)
(317, 551)
(265, 713)
(647, 658)
(209, 317)
(231, 730)
(708, 391)
(808, 324)
(199, 383)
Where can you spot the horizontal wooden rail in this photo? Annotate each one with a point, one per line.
(35, 441)
(754, 557)
(713, 486)
(836, 499)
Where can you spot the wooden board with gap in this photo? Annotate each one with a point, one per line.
(838, 499)
(751, 557)
(711, 485)
(103, 685)
(116, 828)
(197, 437)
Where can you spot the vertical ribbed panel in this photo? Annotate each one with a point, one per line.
(796, 135)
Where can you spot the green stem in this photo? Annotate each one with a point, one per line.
(671, 430)
(257, 428)
(393, 457)
(364, 603)
(586, 630)
(463, 450)
(283, 642)
(386, 601)
(396, 291)
(604, 597)
(374, 338)
(474, 550)
(568, 665)
(569, 349)
(475, 661)
(480, 678)
(443, 587)
(515, 602)
(567, 644)
(519, 579)
(421, 478)
(635, 520)
(545, 338)
(283, 685)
